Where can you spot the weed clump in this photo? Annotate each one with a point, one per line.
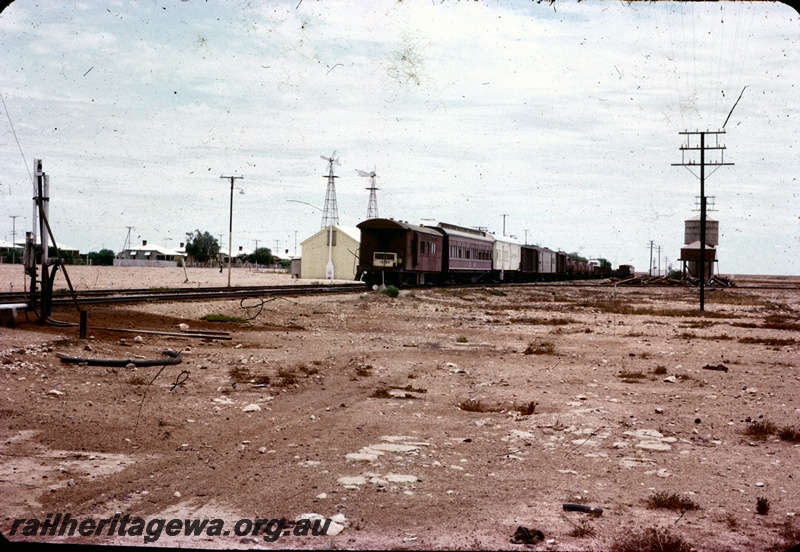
(381, 393)
(788, 433)
(767, 341)
(475, 405)
(288, 376)
(390, 291)
(364, 371)
(240, 374)
(631, 377)
(542, 321)
(760, 430)
(542, 348)
(671, 501)
(652, 539)
(223, 318)
(527, 409)
(762, 506)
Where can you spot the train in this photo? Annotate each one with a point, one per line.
(395, 252)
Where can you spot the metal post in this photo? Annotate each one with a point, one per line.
(45, 198)
(702, 219)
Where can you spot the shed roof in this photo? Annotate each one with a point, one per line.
(352, 232)
(151, 247)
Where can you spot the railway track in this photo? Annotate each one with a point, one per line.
(142, 295)
(110, 296)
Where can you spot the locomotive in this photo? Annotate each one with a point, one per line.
(400, 253)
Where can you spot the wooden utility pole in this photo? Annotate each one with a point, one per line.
(691, 162)
(230, 228)
(13, 238)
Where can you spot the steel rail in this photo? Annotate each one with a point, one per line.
(216, 294)
(133, 295)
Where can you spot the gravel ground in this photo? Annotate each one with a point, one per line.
(442, 418)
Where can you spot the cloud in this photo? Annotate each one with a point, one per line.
(567, 120)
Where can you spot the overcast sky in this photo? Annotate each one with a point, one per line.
(563, 117)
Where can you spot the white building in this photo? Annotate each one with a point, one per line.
(224, 255)
(149, 255)
(336, 244)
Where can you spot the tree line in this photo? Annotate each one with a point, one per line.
(202, 247)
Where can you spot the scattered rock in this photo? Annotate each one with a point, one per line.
(401, 478)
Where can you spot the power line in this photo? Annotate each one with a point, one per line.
(14, 132)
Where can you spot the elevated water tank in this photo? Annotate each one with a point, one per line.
(692, 231)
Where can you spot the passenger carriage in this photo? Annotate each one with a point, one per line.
(397, 252)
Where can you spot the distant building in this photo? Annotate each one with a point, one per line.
(8, 248)
(149, 255)
(342, 249)
(237, 261)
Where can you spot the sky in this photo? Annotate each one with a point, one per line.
(556, 123)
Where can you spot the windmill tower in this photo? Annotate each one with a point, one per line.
(372, 210)
(330, 215)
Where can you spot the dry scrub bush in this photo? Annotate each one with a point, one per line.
(671, 501)
(652, 539)
(760, 429)
(542, 348)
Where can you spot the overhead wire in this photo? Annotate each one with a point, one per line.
(14, 132)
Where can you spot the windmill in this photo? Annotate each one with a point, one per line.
(330, 215)
(372, 210)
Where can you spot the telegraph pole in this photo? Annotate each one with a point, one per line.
(255, 255)
(659, 260)
(13, 238)
(504, 224)
(230, 227)
(650, 268)
(688, 147)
